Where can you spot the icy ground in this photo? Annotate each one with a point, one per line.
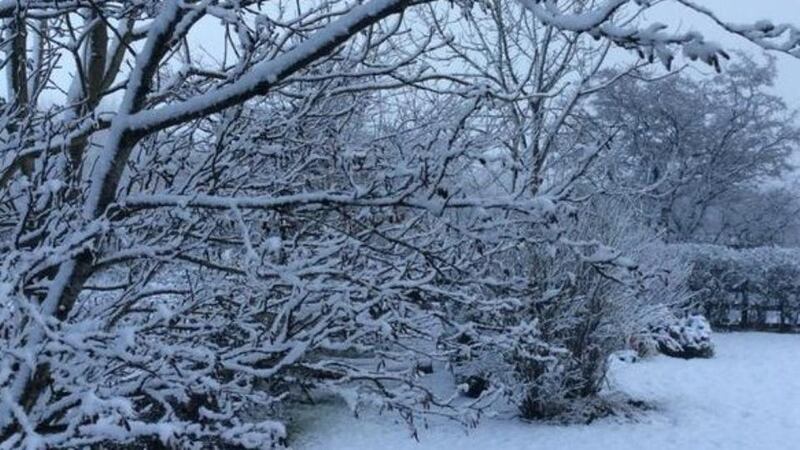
(747, 397)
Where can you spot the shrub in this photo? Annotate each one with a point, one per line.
(687, 338)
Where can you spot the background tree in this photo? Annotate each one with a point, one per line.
(697, 148)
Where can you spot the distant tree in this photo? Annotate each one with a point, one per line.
(695, 148)
(754, 217)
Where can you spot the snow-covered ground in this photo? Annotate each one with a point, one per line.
(746, 397)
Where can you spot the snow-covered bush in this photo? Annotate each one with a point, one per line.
(579, 308)
(687, 337)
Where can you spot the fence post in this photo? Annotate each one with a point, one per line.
(744, 322)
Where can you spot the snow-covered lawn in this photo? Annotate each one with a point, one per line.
(746, 397)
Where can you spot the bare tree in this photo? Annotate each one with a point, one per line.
(183, 241)
(692, 146)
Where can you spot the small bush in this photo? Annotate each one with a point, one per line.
(687, 338)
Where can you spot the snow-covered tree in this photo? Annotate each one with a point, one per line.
(694, 149)
(188, 240)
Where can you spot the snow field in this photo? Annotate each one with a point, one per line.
(746, 397)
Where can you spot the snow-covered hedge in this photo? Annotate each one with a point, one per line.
(747, 288)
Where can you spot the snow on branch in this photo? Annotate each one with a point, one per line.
(783, 38)
(349, 196)
(265, 75)
(651, 42)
